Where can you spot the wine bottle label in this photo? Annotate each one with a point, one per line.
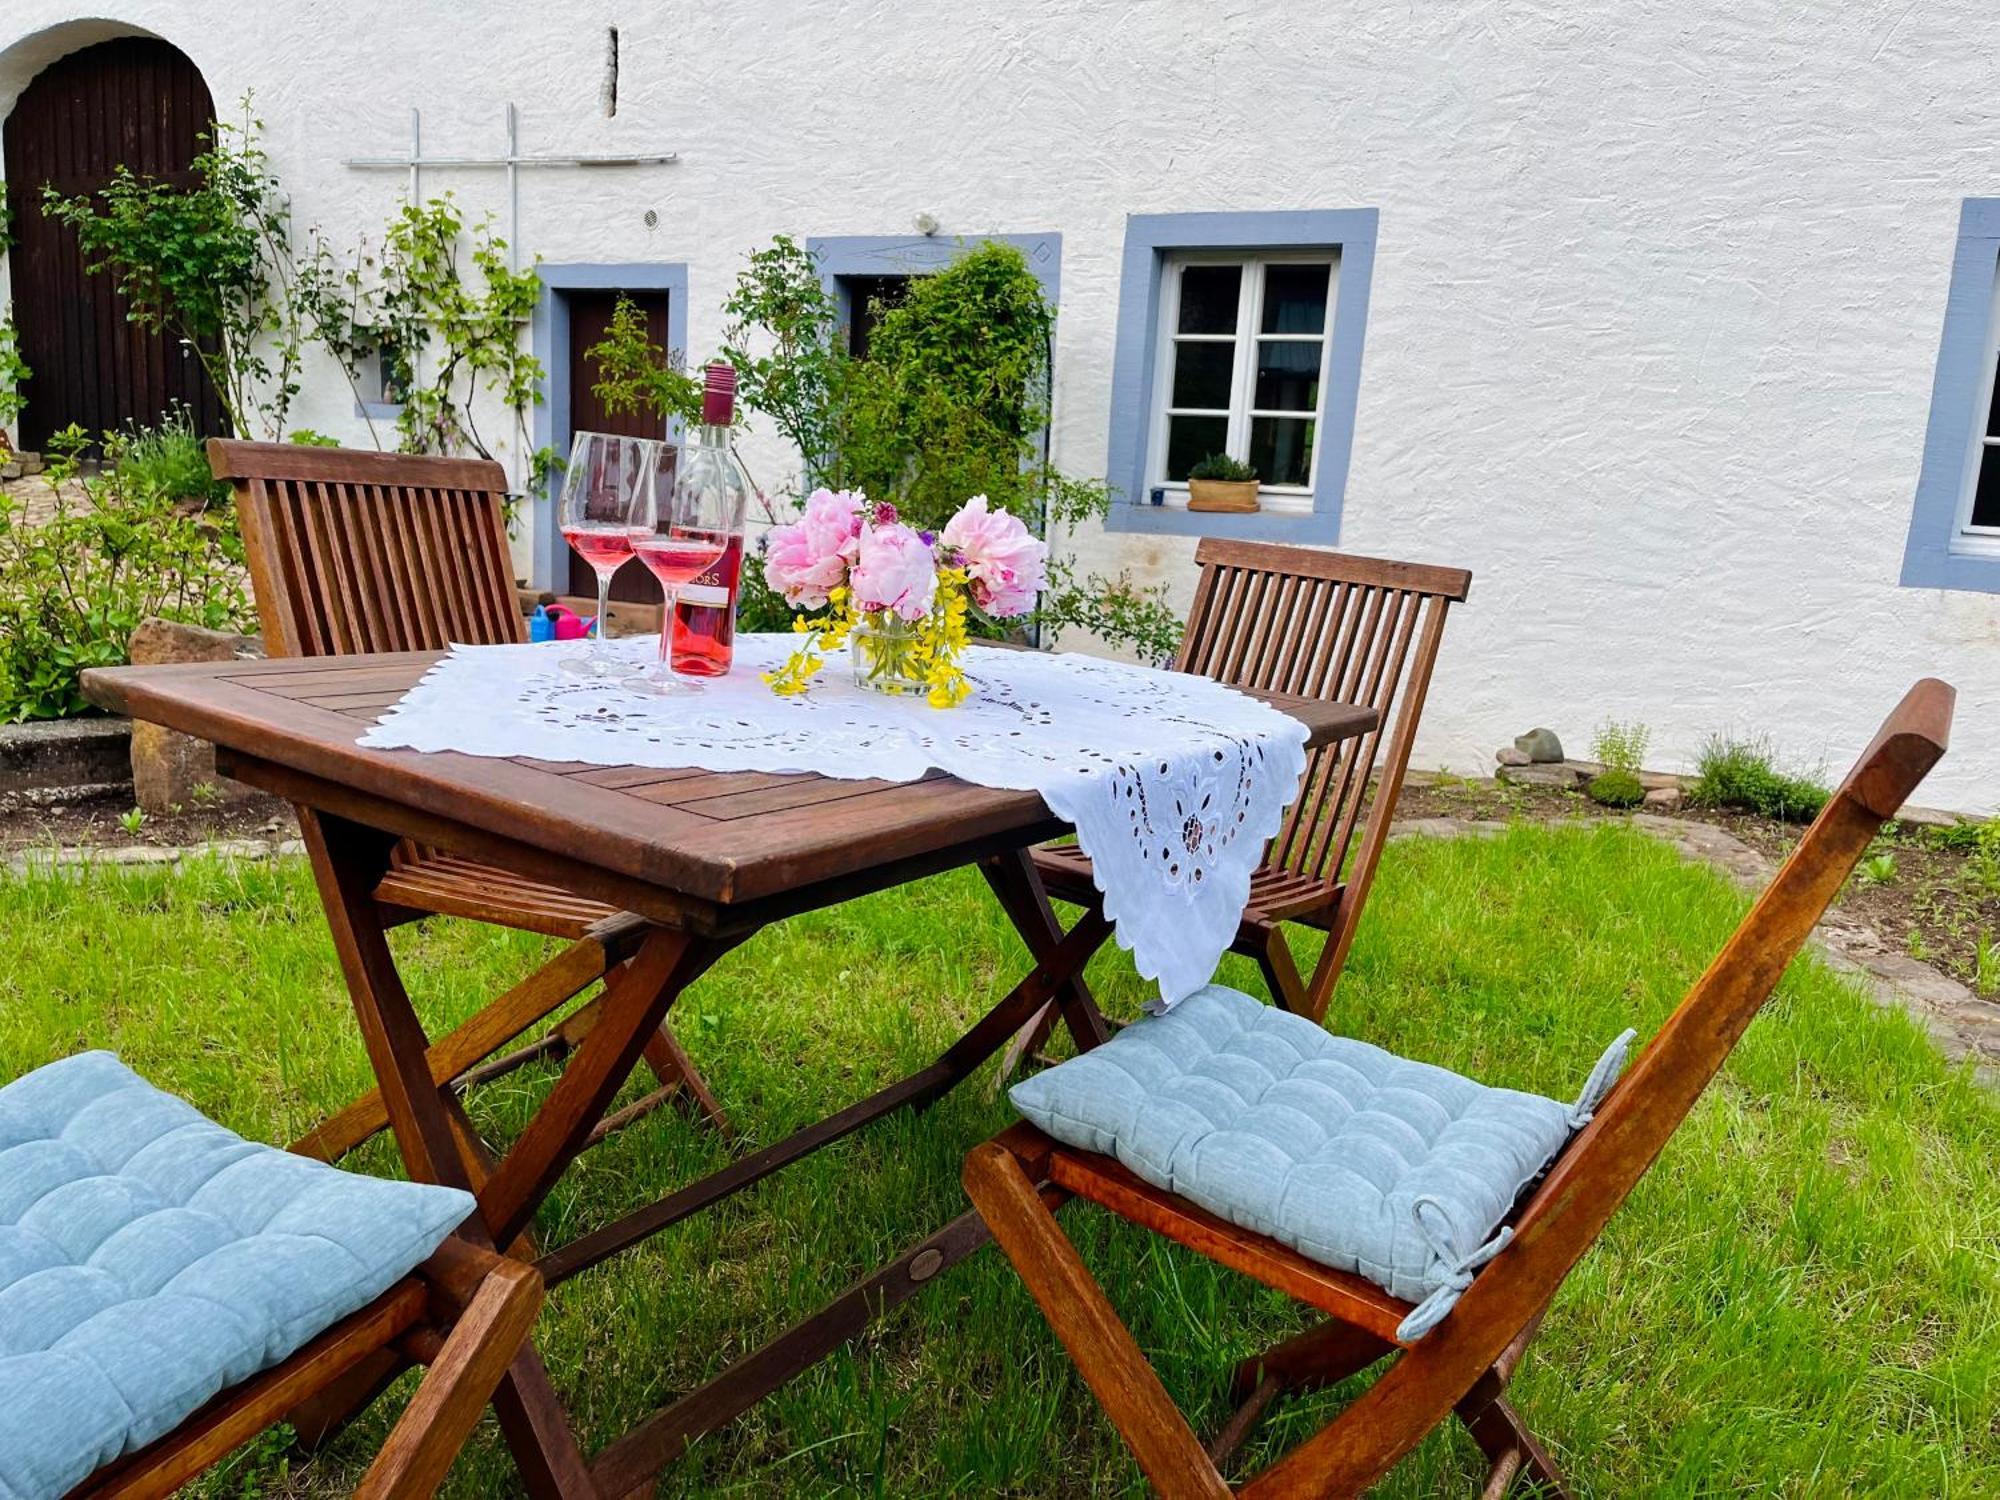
(703, 593)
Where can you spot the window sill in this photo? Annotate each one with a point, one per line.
(378, 411)
(1271, 524)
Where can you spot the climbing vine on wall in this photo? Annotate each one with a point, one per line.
(444, 337)
(220, 264)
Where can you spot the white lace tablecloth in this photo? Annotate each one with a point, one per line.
(1173, 782)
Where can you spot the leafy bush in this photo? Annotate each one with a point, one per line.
(167, 462)
(952, 400)
(1621, 747)
(73, 589)
(1739, 774)
(1221, 467)
(14, 373)
(1616, 788)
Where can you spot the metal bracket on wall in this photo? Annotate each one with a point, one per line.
(512, 161)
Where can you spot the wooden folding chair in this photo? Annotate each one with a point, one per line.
(1465, 1361)
(465, 1313)
(1317, 625)
(354, 551)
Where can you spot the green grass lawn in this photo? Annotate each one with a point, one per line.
(1802, 1298)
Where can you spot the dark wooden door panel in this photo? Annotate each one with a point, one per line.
(136, 101)
(590, 316)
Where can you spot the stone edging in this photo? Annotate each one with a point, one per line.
(1961, 1024)
(79, 857)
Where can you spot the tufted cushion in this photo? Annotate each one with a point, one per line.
(1364, 1161)
(149, 1258)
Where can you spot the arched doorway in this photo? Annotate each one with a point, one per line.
(133, 100)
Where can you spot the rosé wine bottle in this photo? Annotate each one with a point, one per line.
(704, 624)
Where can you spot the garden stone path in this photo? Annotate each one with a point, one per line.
(1962, 1025)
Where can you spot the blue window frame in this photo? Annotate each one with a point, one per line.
(549, 337)
(851, 262)
(1954, 540)
(1239, 332)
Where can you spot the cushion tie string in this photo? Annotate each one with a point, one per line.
(1598, 1084)
(1457, 1276)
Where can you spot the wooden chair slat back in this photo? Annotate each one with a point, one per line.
(353, 551)
(1647, 1105)
(1331, 626)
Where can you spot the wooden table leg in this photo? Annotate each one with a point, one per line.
(1020, 892)
(347, 860)
(628, 1465)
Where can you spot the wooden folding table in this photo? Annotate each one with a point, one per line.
(697, 861)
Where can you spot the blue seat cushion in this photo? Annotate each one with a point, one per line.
(1359, 1159)
(150, 1259)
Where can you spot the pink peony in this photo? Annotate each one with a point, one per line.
(1003, 559)
(808, 558)
(896, 572)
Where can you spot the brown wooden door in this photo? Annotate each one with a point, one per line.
(136, 101)
(589, 320)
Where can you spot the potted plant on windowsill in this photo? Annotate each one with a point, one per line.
(1220, 482)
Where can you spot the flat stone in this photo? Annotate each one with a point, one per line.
(1929, 817)
(1546, 773)
(31, 463)
(1511, 755)
(65, 763)
(1663, 798)
(10, 471)
(1539, 745)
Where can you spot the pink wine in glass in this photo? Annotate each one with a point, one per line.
(605, 548)
(676, 560)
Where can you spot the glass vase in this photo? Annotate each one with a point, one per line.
(883, 647)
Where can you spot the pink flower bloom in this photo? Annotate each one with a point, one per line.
(896, 572)
(1003, 560)
(807, 559)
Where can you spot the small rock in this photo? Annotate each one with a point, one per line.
(11, 471)
(1664, 798)
(31, 463)
(166, 766)
(1927, 817)
(1511, 755)
(1558, 775)
(1539, 745)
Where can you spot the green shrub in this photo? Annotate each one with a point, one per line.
(1616, 788)
(1621, 747)
(73, 589)
(1222, 468)
(1739, 774)
(168, 462)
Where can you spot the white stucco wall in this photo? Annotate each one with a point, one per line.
(1656, 302)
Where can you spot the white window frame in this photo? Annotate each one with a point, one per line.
(1243, 377)
(1966, 538)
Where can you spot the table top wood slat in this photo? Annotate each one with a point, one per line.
(722, 837)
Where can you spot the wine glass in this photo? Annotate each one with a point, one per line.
(600, 492)
(683, 520)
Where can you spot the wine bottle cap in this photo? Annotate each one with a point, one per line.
(718, 394)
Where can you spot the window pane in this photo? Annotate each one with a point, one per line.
(1281, 449)
(1202, 374)
(1190, 440)
(1287, 376)
(1986, 499)
(1208, 298)
(1295, 298)
(1993, 416)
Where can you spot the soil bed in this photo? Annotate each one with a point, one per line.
(96, 825)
